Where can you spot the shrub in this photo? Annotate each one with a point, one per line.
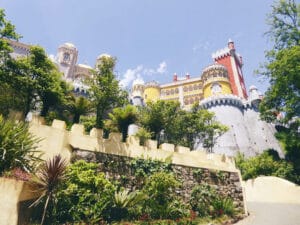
(86, 196)
(127, 204)
(88, 122)
(266, 164)
(143, 134)
(18, 148)
(222, 206)
(202, 197)
(146, 167)
(160, 187)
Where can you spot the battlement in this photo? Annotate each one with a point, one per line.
(55, 139)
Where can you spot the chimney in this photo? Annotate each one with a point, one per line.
(230, 44)
(175, 77)
(187, 76)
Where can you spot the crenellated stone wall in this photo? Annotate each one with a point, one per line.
(56, 139)
(114, 156)
(120, 169)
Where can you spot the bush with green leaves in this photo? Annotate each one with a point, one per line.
(89, 122)
(266, 164)
(127, 205)
(143, 134)
(202, 197)
(161, 204)
(145, 167)
(207, 202)
(18, 148)
(86, 196)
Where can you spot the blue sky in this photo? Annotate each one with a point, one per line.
(152, 39)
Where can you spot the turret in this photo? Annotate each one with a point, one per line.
(151, 92)
(254, 96)
(215, 81)
(137, 92)
(233, 62)
(67, 59)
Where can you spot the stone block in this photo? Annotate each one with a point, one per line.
(98, 133)
(150, 144)
(59, 124)
(167, 147)
(181, 149)
(77, 129)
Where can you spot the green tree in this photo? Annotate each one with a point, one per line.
(122, 118)
(284, 22)
(105, 91)
(158, 116)
(18, 148)
(283, 66)
(80, 106)
(8, 96)
(283, 95)
(194, 126)
(37, 79)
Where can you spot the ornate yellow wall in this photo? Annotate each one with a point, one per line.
(225, 88)
(151, 94)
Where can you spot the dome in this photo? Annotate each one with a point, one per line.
(68, 45)
(214, 70)
(85, 66)
(252, 87)
(152, 84)
(138, 81)
(215, 66)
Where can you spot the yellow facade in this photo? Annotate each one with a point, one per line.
(224, 89)
(151, 94)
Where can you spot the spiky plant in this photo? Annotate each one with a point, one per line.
(18, 148)
(47, 180)
(124, 201)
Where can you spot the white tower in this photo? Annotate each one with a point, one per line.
(67, 59)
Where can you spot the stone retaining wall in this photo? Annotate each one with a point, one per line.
(118, 168)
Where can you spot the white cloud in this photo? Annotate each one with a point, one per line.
(137, 73)
(201, 46)
(162, 68)
(130, 75)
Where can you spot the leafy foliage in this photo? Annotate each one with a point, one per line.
(80, 106)
(160, 187)
(88, 122)
(47, 180)
(207, 202)
(86, 196)
(267, 164)
(126, 204)
(168, 123)
(105, 91)
(146, 167)
(143, 134)
(18, 148)
(121, 118)
(284, 22)
(284, 93)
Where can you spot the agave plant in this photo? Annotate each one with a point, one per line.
(125, 200)
(47, 180)
(18, 148)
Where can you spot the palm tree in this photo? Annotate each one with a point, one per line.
(122, 118)
(47, 179)
(80, 106)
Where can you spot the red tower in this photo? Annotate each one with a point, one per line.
(233, 62)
